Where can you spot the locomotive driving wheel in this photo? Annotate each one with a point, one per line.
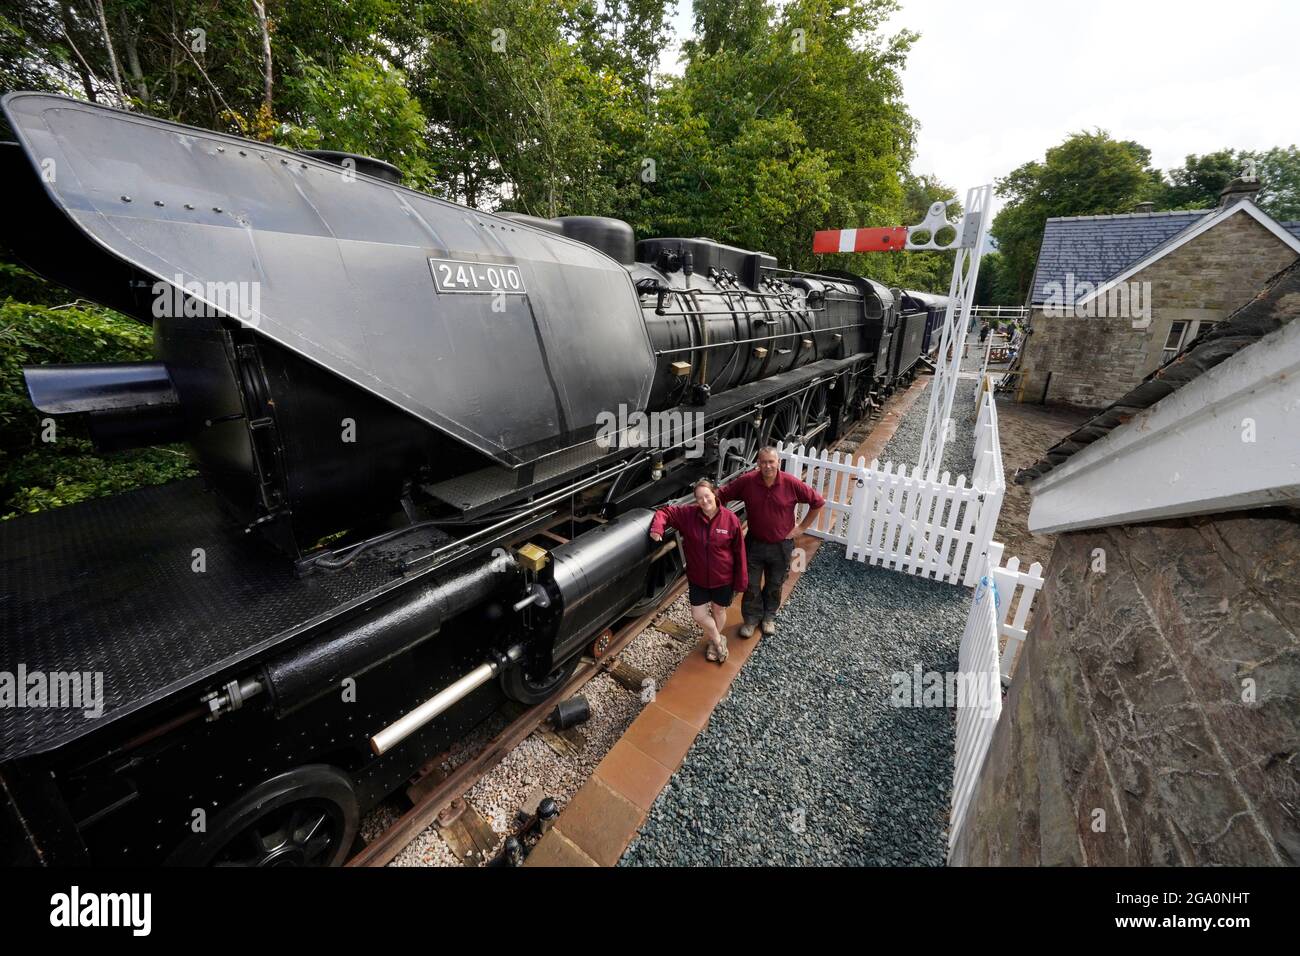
(738, 445)
(306, 817)
(785, 423)
(662, 575)
(817, 407)
(852, 397)
(523, 685)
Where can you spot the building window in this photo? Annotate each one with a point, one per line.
(1177, 332)
(1182, 334)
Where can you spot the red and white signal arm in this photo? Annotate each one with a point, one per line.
(885, 239)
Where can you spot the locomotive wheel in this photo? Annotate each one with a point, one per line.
(785, 424)
(306, 817)
(853, 396)
(527, 689)
(817, 406)
(741, 440)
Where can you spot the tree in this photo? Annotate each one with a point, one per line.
(360, 106)
(823, 82)
(1088, 174)
(1279, 175)
(1197, 183)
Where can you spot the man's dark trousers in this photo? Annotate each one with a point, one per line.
(769, 563)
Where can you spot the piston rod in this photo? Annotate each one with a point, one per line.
(404, 726)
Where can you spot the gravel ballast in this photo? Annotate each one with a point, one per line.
(807, 761)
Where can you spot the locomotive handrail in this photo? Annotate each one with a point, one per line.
(807, 275)
(740, 312)
(683, 294)
(764, 338)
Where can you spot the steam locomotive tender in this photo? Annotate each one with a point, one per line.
(427, 464)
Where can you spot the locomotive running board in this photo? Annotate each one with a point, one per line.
(488, 489)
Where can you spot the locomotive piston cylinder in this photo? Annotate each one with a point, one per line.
(353, 648)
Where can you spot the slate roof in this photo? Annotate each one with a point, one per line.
(1272, 308)
(1097, 248)
(1291, 227)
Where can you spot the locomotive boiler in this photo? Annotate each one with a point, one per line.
(412, 500)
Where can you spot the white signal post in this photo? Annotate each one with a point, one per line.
(968, 244)
(971, 234)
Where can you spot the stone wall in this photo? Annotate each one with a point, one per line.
(1095, 360)
(1133, 699)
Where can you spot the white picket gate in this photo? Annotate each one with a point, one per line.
(922, 524)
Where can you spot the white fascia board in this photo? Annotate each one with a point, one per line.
(1209, 222)
(1186, 455)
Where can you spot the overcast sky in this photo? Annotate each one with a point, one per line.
(994, 83)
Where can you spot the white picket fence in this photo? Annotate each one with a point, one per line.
(921, 524)
(999, 590)
(977, 718)
(1012, 589)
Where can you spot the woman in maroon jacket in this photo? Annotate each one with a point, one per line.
(711, 541)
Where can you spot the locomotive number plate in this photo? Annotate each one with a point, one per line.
(459, 275)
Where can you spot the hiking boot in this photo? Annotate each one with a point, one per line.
(769, 627)
(747, 629)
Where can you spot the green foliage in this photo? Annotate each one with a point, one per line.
(39, 480)
(1088, 174)
(516, 118)
(1197, 183)
(1279, 175)
(360, 106)
(815, 81)
(35, 474)
(995, 285)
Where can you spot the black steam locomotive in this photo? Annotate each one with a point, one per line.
(429, 438)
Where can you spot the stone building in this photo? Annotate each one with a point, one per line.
(1153, 717)
(1115, 297)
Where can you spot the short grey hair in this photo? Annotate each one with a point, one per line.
(767, 450)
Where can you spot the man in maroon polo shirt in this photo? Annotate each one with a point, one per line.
(770, 496)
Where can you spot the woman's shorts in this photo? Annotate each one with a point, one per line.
(720, 596)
